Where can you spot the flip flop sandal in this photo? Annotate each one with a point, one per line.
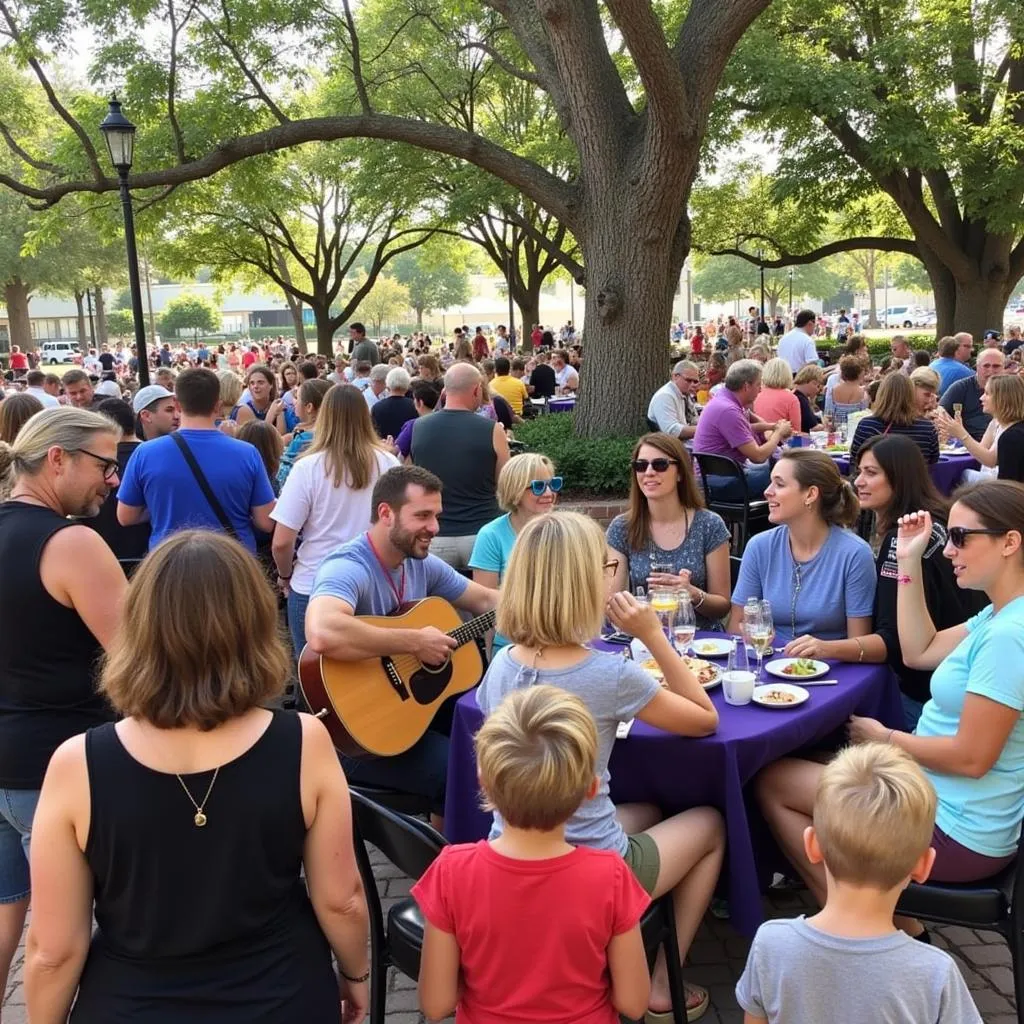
(692, 1012)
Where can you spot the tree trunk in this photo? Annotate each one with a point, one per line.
(419, 318)
(869, 279)
(101, 315)
(980, 305)
(16, 294)
(295, 308)
(80, 304)
(528, 301)
(628, 305)
(324, 331)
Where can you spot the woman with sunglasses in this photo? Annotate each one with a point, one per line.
(527, 488)
(892, 480)
(970, 738)
(667, 524)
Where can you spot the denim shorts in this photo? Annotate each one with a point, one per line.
(17, 809)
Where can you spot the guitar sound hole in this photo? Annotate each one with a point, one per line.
(428, 683)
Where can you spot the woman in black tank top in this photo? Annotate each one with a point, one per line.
(60, 593)
(185, 827)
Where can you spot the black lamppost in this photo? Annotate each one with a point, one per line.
(790, 291)
(760, 263)
(119, 134)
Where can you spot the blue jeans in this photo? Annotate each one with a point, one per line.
(727, 488)
(297, 604)
(911, 711)
(17, 809)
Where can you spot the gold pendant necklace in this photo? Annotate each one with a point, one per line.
(200, 817)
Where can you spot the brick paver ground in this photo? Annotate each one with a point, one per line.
(716, 961)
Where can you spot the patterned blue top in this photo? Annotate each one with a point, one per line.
(706, 533)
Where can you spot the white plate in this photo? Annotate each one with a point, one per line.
(642, 655)
(797, 692)
(709, 648)
(775, 668)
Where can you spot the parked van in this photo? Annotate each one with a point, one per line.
(60, 352)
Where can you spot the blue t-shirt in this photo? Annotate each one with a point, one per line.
(491, 552)
(353, 574)
(982, 814)
(820, 594)
(157, 477)
(949, 371)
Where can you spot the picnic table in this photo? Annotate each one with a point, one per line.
(676, 772)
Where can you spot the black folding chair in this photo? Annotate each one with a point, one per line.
(740, 513)
(992, 905)
(412, 845)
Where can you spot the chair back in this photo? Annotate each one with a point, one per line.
(722, 466)
(410, 844)
(652, 425)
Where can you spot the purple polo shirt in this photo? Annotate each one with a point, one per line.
(723, 426)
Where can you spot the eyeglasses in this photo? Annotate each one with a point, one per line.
(540, 486)
(611, 567)
(110, 466)
(958, 534)
(658, 465)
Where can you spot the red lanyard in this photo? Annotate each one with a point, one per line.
(399, 593)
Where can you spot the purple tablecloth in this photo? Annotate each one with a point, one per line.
(561, 404)
(946, 472)
(677, 772)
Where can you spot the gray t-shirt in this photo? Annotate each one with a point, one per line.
(614, 688)
(799, 975)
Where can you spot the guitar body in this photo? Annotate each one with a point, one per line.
(383, 705)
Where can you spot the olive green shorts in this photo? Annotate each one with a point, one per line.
(643, 860)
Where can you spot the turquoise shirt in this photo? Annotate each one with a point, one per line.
(982, 814)
(491, 552)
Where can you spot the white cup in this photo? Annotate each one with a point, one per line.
(738, 687)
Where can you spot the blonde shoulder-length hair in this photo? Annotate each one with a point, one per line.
(345, 435)
(552, 592)
(516, 475)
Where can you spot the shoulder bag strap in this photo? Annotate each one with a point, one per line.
(204, 486)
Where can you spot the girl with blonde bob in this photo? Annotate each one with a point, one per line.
(326, 497)
(553, 601)
(184, 827)
(527, 488)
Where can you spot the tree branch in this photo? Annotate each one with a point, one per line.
(357, 61)
(882, 243)
(62, 112)
(22, 154)
(506, 65)
(549, 191)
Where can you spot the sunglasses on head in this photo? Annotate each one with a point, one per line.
(958, 534)
(540, 486)
(658, 465)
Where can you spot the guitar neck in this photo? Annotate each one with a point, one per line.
(474, 629)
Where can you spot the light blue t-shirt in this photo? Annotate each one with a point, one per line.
(491, 552)
(982, 814)
(158, 477)
(949, 371)
(353, 574)
(820, 594)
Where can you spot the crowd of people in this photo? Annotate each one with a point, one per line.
(167, 790)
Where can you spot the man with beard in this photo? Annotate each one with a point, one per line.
(61, 592)
(375, 574)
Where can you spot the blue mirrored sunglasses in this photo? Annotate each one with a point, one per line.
(540, 486)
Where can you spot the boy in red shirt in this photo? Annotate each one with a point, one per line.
(527, 928)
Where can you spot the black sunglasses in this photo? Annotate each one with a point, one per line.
(658, 465)
(958, 534)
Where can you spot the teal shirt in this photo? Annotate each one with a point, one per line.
(491, 552)
(982, 814)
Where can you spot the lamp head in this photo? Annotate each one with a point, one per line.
(119, 134)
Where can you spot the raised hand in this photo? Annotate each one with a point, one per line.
(912, 535)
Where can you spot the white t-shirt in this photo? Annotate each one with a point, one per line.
(567, 377)
(798, 349)
(327, 517)
(48, 401)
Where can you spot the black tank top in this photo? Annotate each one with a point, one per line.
(207, 924)
(48, 657)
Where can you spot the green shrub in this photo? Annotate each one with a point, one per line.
(600, 466)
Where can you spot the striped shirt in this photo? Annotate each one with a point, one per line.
(922, 432)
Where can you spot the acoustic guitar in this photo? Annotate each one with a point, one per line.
(383, 705)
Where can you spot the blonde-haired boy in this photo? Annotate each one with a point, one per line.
(527, 927)
(874, 814)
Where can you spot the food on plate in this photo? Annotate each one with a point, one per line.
(707, 647)
(703, 670)
(778, 697)
(650, 665)
(801, 667)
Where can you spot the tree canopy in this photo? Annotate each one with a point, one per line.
(190, 313)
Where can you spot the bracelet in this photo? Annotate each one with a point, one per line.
(703, 594)
(288, 577)
(903, 579)
(356, 981)
(860, 647)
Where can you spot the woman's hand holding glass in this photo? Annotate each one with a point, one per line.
(953, 426)
(630, 616)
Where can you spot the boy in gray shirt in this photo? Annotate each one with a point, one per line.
(874, 814)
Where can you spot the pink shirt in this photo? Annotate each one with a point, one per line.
(778, 404)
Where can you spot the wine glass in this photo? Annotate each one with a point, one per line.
(759, 629)
(665, 601)
(685, 625)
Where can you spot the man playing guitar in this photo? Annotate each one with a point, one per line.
(375, 574)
